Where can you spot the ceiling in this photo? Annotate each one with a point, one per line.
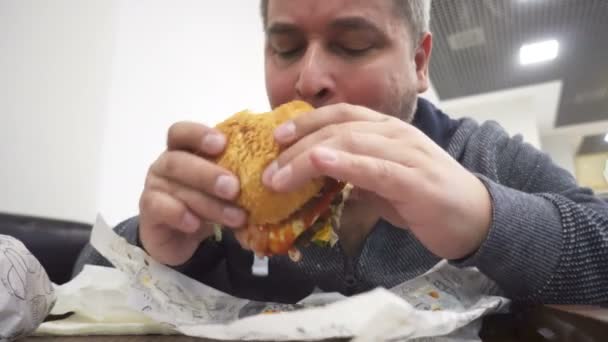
(593, 144)
(476, 49)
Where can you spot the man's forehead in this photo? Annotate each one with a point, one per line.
(323, 13)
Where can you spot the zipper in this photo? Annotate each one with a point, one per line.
(350, 277)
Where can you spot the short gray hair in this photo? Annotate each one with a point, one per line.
(416, 14)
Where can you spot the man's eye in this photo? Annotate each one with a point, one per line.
(350, 51)
(355, 52)
(286, 48)
(288, 53)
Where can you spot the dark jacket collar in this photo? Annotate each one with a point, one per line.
(434, 123)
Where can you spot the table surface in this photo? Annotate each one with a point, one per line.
(535, 324)
(129, 339)
(116, 339)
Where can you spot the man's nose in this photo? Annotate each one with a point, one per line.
(315, 84)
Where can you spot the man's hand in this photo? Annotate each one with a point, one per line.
(414, 182)
(184, 193)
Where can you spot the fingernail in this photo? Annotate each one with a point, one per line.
(269, 172)
(282, 177)
(233, 217)
(226, 186)
(213, 143)
(190, 222)
(285, 132)
(326, 155)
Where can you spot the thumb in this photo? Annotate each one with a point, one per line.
(382, 206)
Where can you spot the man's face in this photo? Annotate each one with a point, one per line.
(353, 51)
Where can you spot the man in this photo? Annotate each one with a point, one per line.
(427, 187)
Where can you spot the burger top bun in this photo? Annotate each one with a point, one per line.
(250, 148)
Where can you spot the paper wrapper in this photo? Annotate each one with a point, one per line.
(26, 293)
(445, 303)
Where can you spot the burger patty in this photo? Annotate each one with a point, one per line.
(279, 238)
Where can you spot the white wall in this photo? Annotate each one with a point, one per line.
(513, 114)
(532, 112)
(54, 77)
(174, 60)
(89, 89)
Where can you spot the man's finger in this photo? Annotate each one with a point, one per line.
(386, 178)
(163, 209)
(197, 173)
(196, 138)
(303, 168)
(324, 116)
(210, 209)
(385, 208)
(334, 131)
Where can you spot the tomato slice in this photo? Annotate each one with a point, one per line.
(323, 204)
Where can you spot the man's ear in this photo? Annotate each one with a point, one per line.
(422, 58)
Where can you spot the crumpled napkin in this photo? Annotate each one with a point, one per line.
(97, 299)
(146, 295)
(26, 293)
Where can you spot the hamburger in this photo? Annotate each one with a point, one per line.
(277, 223)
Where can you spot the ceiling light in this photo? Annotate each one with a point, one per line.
(606, 138)
(538, 52)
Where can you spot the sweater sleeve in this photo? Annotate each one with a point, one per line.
(548, 242)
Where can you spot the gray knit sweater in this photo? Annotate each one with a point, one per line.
(548, 242)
